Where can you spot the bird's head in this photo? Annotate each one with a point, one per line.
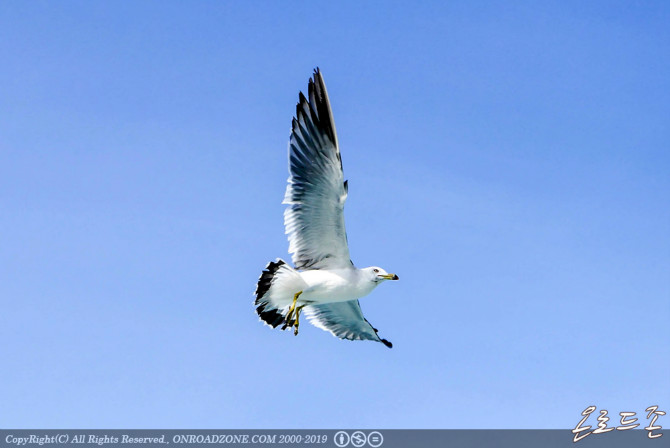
(378, 275)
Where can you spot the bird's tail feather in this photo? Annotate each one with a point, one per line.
(274, 292)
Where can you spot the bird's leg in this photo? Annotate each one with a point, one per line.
(297, 319)
(292, 309)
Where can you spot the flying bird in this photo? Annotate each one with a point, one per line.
(324, 283)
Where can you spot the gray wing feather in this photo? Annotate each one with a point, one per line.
(316, 191)
(344, 320)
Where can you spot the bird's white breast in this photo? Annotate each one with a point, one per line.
(335, 285)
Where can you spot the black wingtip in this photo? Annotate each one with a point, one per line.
(299, 108)
(387, 343)
(320, 104)
(317, 78)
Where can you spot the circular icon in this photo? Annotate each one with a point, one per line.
(375, 439)
(358, 439)
(341, 439)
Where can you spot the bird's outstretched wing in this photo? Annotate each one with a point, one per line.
(316, 191)
(344, 320)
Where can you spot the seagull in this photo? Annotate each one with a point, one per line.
(324, 281)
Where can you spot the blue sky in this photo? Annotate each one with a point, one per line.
(509, 160)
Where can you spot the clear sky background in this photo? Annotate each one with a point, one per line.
(508, 160)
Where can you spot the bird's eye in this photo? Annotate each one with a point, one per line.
(376, 270)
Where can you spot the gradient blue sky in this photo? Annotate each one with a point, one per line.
(509, 160)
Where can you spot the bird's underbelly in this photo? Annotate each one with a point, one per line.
(326, 287)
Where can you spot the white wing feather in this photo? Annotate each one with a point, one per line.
(344, 320)
(316, 191)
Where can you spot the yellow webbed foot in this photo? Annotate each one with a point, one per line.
(290, 315)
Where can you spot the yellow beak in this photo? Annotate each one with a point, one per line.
(390, 277)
